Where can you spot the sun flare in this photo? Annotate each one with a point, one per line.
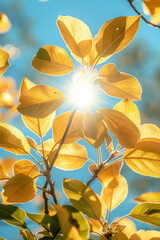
(82, 92)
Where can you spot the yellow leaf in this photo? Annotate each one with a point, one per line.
(19, 189)
(93, 129)
(40, 101)
(109, 143)
(115, 192)
(38, 126)
(4, 56)
(47, 145)
(7, 164)
(129, 109)
(144, 158)
(60, 124)
(146, 235)
(26, 167)
(152, 7)
(113, 36)
(32, 143)
(71, 156)
(26, 85)
(149, 131)
(52, 60)
(76, 34)
(107, 174)
(13, 140)
(95, 225)
(69, 231)
(5, 24)
(118, 84)
(26, 235)
(3, 174)
(128, 226)
(149, 197)
(121, 127)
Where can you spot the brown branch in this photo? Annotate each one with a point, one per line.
(148, 22)
(46, 209)
(63, 139)
(95, 174)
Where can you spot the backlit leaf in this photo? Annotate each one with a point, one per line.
(152, 7)
(144, 158)
(60, 124)
(113, 36)
(26, 235)
(95, 225)
(117, 84)
(69, 230)
(92, 129)
(52, 60)
(26, 85)
(26, 167)
(149, 197)
(128, 226)
(13, 140)
(76, 34)
(19, 189)
(71, 156)
(121, 127)
(147, 212)
(7, 164)
(5, 24)
(129, 109)
(149, 131)
(107, 174)
(115, 192)
(39, 126)
(84, 199)
(32, 143)
(40, 101)
(3, 174)
(12, 215)
(4, 56)
(146, 235)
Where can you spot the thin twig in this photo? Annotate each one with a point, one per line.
(63, 139)
(95, 174)
(46, 209)
(148, 22)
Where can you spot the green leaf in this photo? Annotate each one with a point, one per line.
(147, 212)
(50, 223)
(84, 199)
(12, 215)
(2, 238)
(79, 221)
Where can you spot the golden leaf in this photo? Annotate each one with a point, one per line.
(40, 101)
(19, 189)
(92, 129)
(5, 24)
(32, 143)
(115, 192)
(127, 224)
(71, 156)
(26, 167)
(95, 225)
(152, 7)
(60, 124)
(26, 85)
(4, 56)
(144, 158)
(107, 174)
(146, 235)
(117, 84)
(7, 164)
(149, 131)
(52, 60)
(76, 34)
(121, 127)
(113, 36)
(149, 197)
(13, 140)
(3, 174)
(26, 235)
(47, 145)
(129, 109)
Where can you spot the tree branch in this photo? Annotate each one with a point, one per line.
(148, 22)
(46, 209)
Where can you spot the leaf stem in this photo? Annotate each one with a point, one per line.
(35, 160)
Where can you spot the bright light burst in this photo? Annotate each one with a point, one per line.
(82, 92)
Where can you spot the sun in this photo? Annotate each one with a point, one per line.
(82, 92)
